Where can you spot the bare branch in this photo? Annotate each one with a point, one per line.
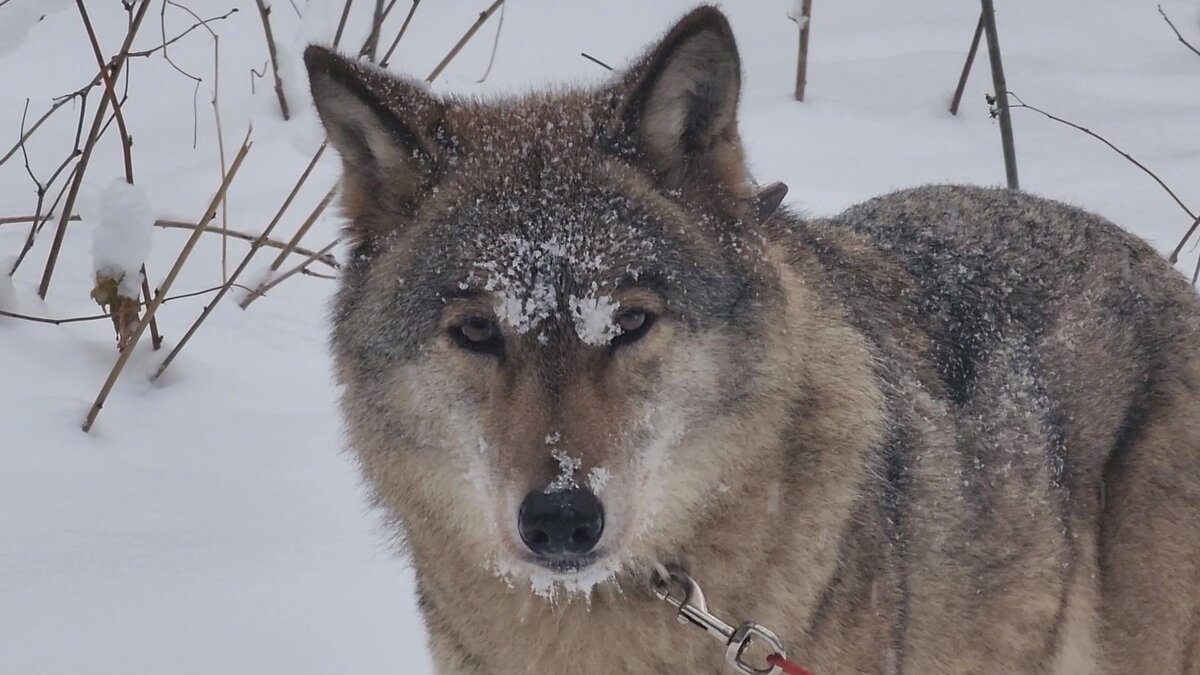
(216, 105)
(370, 46)
(166, 43)
(495, 46)
(1173, 28)
(110, 91)
(337, 37)
(262, 290)
(97, 123)
(181, 225)
(100, 317)
(1178, 247)
(152, 308)
(237, 272)
(403, 27)
(595, 60)
(483, 17)
(265, 12)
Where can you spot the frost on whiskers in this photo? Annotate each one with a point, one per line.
(555, 587)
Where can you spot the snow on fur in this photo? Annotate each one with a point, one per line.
(593, 317)
(121, 240)
(520, 272)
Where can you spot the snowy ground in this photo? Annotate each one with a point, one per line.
(210, 522)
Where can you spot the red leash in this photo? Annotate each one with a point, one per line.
(786, 666)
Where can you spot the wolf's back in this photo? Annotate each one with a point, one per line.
(1044, 399)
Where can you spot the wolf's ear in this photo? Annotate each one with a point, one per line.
(384, 128)
(678, 105)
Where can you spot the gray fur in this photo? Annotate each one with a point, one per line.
(950, 430)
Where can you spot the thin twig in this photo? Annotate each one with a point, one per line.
(1175, 253)
(162, 25)
(304, 227)
(371, 45)
(595, 60)
(262, 290)
(181, 225)
(966, 71)
(237, 272)
(243, 236)
(292, 244)
(166, 43)
(403, 27)
(111, 92)
(152, 308)
(195, 79)
(337, 38)
(1185, 42)
(265, 12)
(126, 145)
(117, 63)
(495, 46)
(99, 317)
(147, 296)
(36, 225)
(216, 105)
(483, 17)
(58, 103)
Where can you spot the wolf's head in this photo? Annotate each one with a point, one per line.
(551, 333)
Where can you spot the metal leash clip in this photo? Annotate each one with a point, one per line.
(694, 610)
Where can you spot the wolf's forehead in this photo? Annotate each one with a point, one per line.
(548, 258)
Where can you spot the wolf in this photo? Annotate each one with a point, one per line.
(950, 430)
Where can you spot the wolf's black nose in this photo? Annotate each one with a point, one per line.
(561, 524)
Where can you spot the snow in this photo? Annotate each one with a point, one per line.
(567, 466)
(18, 18)
(211, 522)
(593, 318)
(597, 479)
(121, 240)
(796, 13)
(8, 293)
(557, 588)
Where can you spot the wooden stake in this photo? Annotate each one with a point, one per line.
(966, 71)
(1001, 93)
(802, 56)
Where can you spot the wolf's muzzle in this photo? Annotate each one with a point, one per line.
(562, 527)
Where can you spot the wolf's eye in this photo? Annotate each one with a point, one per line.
(478, 334)
(634, 324)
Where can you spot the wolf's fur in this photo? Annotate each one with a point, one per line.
(950, 430)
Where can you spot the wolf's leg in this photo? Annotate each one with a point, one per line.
(1150, 535)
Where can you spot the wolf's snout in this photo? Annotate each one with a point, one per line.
(561, 525)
